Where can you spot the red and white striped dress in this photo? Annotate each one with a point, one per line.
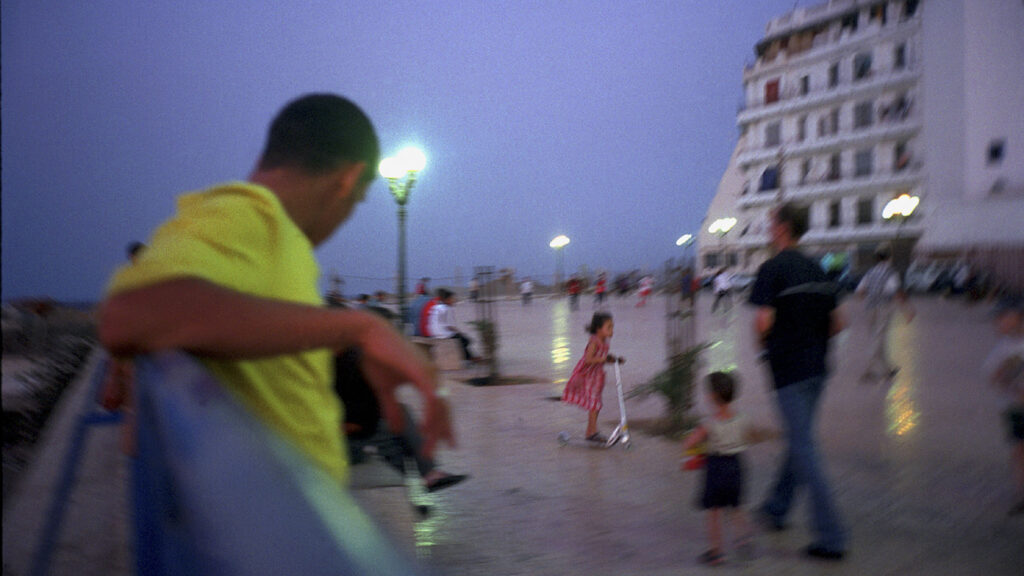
(586, 384)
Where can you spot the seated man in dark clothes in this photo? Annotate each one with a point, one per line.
(364, 427)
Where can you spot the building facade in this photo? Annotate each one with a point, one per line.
(853, 103)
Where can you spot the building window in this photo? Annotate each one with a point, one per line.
(901, 157)
(772, 134)
(833, 75)
(865, 211)
(805, 170)
(909, 8)
(878, 13)
(996, 149)
(862, 66)
(834, 214)
(899, 58)
(731, 259)
(771, 91)
(835, 167)
(863, 114)
(863, 161)
(770, 179)
(711, 260)
(828, 125)
(805, 85)
(801, 128)
(849, 22)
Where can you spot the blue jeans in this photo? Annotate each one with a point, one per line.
(798, 405)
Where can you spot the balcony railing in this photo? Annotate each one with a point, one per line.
(217, 492)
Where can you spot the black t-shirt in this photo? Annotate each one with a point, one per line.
(796, 287)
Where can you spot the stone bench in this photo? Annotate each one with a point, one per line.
(445, 352)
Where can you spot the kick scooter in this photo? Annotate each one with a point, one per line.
(620, 435)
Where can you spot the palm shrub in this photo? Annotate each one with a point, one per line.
(676, 385)
(489, 341)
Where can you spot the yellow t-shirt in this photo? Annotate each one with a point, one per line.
(238, 236)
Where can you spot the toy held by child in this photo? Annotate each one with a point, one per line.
(586, 384)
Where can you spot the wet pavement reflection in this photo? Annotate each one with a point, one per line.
(918, 464)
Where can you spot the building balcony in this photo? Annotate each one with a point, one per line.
(895, 128)
(792, 103)
(831, 45)
(846, 234)
(874, 232)
(825, 188)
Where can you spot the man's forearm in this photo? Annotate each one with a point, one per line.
(206, 319)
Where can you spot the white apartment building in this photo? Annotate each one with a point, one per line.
(852, 103)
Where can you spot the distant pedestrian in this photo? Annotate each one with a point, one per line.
(526, 290)
(574, 287)
(687, 286)
(586, 384)
(726, 434)
(795, 318)
(879, 289)
(600, 289)
(1005, 368)
(722, 286)
(441, 322)
(423, 287)
(646, 286)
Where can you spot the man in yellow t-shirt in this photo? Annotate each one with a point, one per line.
(232, 279)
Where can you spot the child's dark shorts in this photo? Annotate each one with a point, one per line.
(723, 482)
(1015, 422)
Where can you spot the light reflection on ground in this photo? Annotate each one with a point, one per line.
(561, 353)
(901, 410)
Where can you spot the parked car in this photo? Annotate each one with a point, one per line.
(927, 277)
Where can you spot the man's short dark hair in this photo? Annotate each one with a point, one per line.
(318, 133)
(134, 248)
(444, 293)
(722, 385)
(794, 216)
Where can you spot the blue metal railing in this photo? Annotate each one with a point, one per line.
(216, 492)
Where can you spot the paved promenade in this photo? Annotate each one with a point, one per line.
(919, 467)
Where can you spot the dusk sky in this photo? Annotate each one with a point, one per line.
(610, 122)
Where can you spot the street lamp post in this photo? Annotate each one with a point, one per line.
(901, 208)
(559, 243)
(401, 171)
(686, 240)
(720, 228)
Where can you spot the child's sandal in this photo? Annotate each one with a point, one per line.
(713, 557)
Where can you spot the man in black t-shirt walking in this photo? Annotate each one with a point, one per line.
(796, 315)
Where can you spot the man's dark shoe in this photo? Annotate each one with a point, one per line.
(769, 521)
(822, 553)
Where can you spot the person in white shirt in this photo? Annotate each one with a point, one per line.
(441, 322)
(722, 286)
(526, 291)
(879, 289)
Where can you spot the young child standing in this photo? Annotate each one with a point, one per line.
(586, 384)
(726, 434)
(1005, 367)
